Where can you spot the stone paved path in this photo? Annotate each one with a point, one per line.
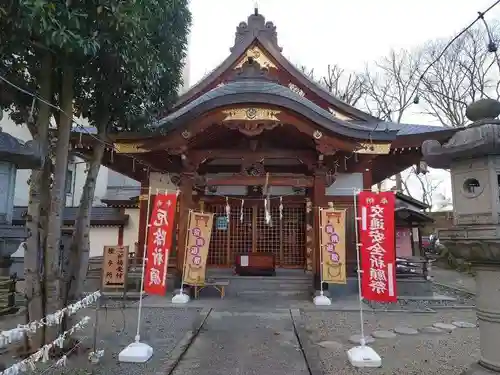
(243, 342)
(454, 278)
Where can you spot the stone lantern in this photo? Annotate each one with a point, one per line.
(14, 155)
(473, 157)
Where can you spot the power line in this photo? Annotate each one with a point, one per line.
(480, 16)
(84, 128)
(150, 168)
(448, 45)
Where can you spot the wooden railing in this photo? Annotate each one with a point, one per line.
(419, 267)
(8, 294)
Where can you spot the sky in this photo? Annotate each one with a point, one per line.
(315, 33)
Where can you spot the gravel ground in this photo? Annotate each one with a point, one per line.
(162, 329)
(443, 353)
(462, 297)
(241, 342)
(454, 278)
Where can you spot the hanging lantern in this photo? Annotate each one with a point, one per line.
(228, 209)
(241, 210)
(281, 208)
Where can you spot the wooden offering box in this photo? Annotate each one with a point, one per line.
(255, 264)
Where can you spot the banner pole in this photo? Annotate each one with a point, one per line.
(139, 352)
(321, 300)
(185, 251)
(144, 255)
(320, 254)
(181, 297)
(362, 341)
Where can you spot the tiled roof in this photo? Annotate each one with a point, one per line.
(122, 194)
(411, 129)
(99, 216)
(259, 91)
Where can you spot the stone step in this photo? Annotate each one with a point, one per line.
(269, 279)
(272, 294)
(265, 286)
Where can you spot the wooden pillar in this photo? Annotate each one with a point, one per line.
(318, 200)
(143, 217)
(186, 203)
(367, 178)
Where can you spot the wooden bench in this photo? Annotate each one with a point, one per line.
(220, 286)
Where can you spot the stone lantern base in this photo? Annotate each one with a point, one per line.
(481, 246)
(488, 316)
(477, 369)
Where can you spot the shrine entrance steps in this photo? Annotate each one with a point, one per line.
(287, 284)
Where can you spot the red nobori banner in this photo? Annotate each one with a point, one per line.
(377, 238)
(159, 241)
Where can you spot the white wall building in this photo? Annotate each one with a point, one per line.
(109, 226)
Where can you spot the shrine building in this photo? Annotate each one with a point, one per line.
(256, 125)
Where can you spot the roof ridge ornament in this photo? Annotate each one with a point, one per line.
(251, 70)
(256, 25)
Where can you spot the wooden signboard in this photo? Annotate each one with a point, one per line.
(115, 267)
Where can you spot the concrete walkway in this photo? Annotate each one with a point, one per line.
(242, 342)
(454, 279)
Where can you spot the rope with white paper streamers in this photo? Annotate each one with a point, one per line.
(17, 334)
(29, 364)
(228, 209)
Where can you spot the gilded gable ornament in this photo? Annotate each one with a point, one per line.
(256, 54)
(296, 89)
(251, 114)
(317, 134)
(374, 148)
(129, 148)
(251, 121)
(339, 115)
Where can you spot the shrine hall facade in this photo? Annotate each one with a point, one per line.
(257, 121)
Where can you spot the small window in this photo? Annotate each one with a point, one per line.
(471, 188)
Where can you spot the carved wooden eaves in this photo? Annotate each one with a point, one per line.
(129, 148)
(251, 121)
(374, 148)
(258, 56)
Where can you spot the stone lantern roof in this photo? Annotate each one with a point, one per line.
(479, 139)
(22, 155)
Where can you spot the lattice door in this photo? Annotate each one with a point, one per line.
(284, 238)
(293, 236)
(268, 235)
(241, 232)
(217, 253)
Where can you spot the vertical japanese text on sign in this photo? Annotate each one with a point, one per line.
(159, 241)
(115, 261)
(377, 239)
(332, 242)
(197, 244)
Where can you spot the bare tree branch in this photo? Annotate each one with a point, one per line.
(465, 73)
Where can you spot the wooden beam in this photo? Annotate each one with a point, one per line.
(239, 180)
(304, 155)
(214, 168)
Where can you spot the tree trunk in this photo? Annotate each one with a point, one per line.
(58, 196)
(79, 248)
(34, 250)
